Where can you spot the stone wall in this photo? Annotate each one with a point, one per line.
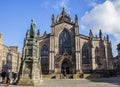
(5, 53)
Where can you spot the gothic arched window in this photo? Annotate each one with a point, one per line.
(65, 42)
(85, 55)
(44, 51)
(44, 59)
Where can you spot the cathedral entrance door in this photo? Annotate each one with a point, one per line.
(65, 68)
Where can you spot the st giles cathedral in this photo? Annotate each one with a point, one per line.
(66, 49)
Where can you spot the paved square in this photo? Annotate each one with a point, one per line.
(103, 82)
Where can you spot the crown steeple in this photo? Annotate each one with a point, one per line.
(63, 17)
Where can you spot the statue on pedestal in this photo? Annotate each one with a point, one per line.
(30, 70)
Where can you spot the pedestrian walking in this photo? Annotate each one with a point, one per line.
(64, 73)
(8, 78)
(3, 75)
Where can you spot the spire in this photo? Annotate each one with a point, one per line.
(63, 10)
(107, 37)
(76, 20)
(45, 33)
(76, 25)
(27, 33)
(90, 34)
(100, 34)
(104, 37)
(38, 32)
(53, 22)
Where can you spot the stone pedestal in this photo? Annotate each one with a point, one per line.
(36, 76)
(58, 76)
(30, 66)
(36, 73)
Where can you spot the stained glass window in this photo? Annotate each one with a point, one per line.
(85, 55)
(44, 51)
(65, 42)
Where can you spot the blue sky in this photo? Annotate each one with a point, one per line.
(16, 15)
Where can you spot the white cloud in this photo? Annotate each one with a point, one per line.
(62, 3)
(105, 16)
(93, 3)
(57, 5)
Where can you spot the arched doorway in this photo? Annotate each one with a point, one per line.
(66, 66)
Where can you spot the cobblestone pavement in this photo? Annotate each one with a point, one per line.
(103, 82)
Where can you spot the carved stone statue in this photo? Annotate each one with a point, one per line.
(30, 67)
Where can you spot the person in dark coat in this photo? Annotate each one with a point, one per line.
(64, 73)
(3, 75)
(8, 77)
(14, 76)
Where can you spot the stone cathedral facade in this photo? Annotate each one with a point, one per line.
(64, 48)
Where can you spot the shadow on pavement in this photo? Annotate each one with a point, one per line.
(110, 80)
